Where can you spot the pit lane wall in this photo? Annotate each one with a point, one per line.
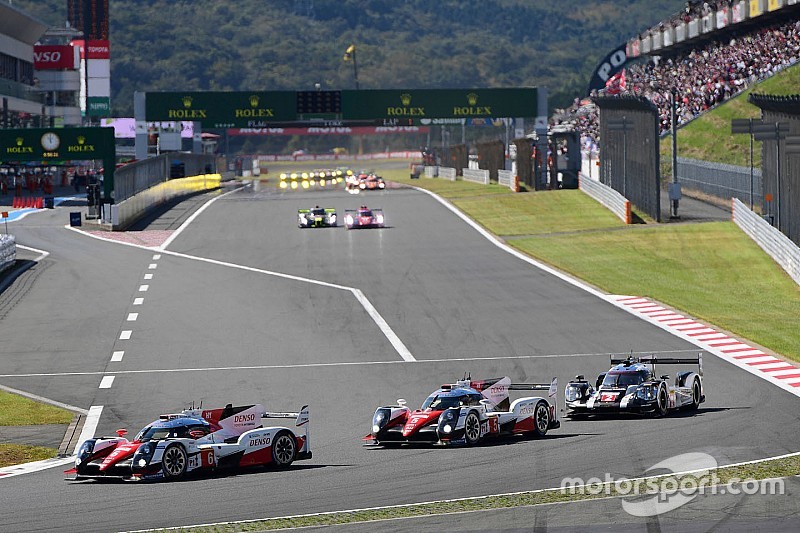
(770, 239)
(8, 251)
(126, 212)
(614, 201)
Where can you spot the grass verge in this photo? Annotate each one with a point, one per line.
(733, 475)
(17, 410)
(15, 454)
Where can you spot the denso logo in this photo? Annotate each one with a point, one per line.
(260, 442)
(47, 57)
(237, 419)
(527, 409)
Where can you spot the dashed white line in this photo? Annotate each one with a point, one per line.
(143, 288)
(116, 357)
(156, 257)
(138, 301)
(132, 317)
(125, 334)
(152, 266)
(148, 276)
(106, 382)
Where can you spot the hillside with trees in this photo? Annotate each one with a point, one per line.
(294, 44)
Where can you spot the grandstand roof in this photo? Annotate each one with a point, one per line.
(789, 105)
(19, 25)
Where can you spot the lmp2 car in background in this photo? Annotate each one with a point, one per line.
(317, 217)
(466, 412)
(364, 217)
(633, 386)
(195, 440)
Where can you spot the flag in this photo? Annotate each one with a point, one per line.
(616, 84)
(351, 50)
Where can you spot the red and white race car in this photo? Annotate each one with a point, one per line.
(467, 411)
(364, 217)
(195, 440)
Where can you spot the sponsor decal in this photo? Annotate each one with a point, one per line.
(406, 109)
(81, 147)
(241, 419)
(608, 396)
(19, 147)
(52, 57)
(263, 441)
(527, 410)
(187, 112)
(472, 109)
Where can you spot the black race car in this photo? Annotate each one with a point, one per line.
(317, 217)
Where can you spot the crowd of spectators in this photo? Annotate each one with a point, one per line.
(701, 78)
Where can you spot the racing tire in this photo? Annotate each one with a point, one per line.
(662, 397)
(472, 429)
(697, 392)
(541, 419)
(284, 449)
(174, 462)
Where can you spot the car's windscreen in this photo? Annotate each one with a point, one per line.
(623, 379)
(438, 401)
(318, 212)
(365, 213)
(158, 433)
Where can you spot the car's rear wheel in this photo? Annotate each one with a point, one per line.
(697, 392)
(541, 419)
(472, 429)
(661, 400)
(284, 449)
(174, 462)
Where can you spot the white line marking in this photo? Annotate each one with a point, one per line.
(132, 317)
(117, 356)
(152, 266)
(138, 301)
(125, 334)
(143, 288)
(148, 276)
(384, 327)
(191, 218)
(156, 257)
(106, 382)
(90, 424)
(42, 253)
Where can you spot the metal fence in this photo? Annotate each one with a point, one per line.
(629, 151)
(141, 175)
(720, 180)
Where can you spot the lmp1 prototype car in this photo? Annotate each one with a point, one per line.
(632, 386)
(371, 182)
(465, 413)
(364, 217)
(194, 440)
(317, 217)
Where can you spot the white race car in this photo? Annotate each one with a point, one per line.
(195, 440)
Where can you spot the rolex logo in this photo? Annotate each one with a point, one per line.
(81, 139)
(472, 98)
(254, 101)
(405, 98)
(187, 101)
(20, 140)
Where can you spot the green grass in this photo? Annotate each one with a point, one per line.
(709, 137)
(734, 475)
(14, 454)
(17, 410)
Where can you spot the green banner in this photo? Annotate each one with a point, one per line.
(98, 106)
(255, 109)
(439, 103)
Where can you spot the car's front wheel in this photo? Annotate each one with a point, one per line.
(284, 449)
(472, 429)
(661, 400)
(174, 462)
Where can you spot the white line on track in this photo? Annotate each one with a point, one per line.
(148, 276)
(132, 317)
(156, 257)
(322, 365)
(152, 266)
(143, 288)
(44, 400)
(42, 253)
(106, 382)
(125, 334)
(138, 301)
(116, 357)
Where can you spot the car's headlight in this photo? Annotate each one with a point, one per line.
(646, 392)
(380, 219)
(380, 419)
(144, 454)
(572, 393)
(447, 428)
(333, 218)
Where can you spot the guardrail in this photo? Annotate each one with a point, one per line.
(8, 251)
(447, 173)
(508, 178)
(476, 175)
(614, 201)
(776, 244)
(431, 171)
(128, 211)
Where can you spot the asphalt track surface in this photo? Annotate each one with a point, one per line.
(209, 330)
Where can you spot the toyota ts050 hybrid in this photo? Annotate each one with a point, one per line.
(466, 412)
(195, 440)
(317, 217)
(364, 217)
(633, 386)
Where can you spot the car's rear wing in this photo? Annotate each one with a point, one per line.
(301, 421)
(653, 360)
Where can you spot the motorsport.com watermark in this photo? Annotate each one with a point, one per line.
(660, 494)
